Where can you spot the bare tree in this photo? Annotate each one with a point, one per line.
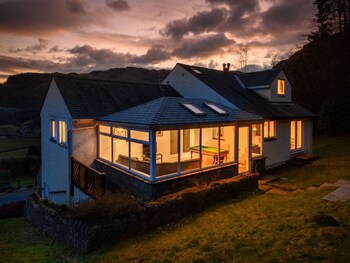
(242, 53)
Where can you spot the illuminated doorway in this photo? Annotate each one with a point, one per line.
(243, 149)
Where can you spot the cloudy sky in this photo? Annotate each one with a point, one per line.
(85, 35)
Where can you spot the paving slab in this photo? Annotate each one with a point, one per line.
(342, 194)
(311, 188)
(268, 179)
(340, 183)
(277, 191)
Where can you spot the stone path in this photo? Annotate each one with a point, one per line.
(341, 188)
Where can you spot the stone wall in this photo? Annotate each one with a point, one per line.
(55, 222)
(117, 179)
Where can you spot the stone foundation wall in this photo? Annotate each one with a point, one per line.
(89, 236)
(117, 179)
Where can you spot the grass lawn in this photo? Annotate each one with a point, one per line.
(16, 147)
(255, 228)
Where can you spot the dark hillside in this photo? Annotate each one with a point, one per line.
(22, 95)
(320, 75)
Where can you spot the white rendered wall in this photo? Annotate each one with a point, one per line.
(278, 151)
(191, 87)
(79, 196)
(55, 158)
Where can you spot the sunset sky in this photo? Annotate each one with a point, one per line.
(87, 35)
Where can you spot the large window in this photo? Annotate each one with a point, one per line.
(129, 149)
(280, 87)
(256, 139)
(269, 129)
(296, 135)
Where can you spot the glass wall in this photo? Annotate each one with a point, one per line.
(243, 152)
(189, 154)
(167, 153)
(127, 150)
(227, 144)
(256, 139)
(210, 146)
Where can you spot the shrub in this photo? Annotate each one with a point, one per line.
(13, 209)
(107, 208)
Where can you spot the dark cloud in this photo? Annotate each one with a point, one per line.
(154, 54)
(286, 16)
(55, 49)
(203, 47)
(76, 6)
(205, 21)
(118, 5)
(42, 45)
(29, 17)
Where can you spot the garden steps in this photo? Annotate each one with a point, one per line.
(303, 159)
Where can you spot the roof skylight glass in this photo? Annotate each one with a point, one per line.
(196, 71)
(193, 109)
(216, 108)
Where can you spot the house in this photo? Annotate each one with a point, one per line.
(152, 140)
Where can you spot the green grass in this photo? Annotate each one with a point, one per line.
(16, 147)
(334, 164)
(256, 228)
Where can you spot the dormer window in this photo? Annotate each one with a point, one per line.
(280, 87)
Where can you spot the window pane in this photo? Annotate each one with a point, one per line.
(53, 129)
(272, 129)
(173, 142)
(292, 135)
(266, 129)
(120, 151)
(120, 131)
(105, 147)
(63, 132)
(105, 129)
(139, 135)
(189, 157)
(256, 140)
(166, 153)
(227, 144)
(210, 148)
(299, 134)
(280, 88)
(139, 160)
(243, 153)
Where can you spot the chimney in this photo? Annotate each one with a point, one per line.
(226, 67)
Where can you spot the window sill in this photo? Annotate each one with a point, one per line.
(63, 145)
(270, 139)
(53, 140)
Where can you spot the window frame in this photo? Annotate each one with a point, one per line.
(62, 138)
(53, 130)
(297, 135)
(280, 82)
(270, 136)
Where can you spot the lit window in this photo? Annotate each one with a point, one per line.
(256, 140)
(296, 135)
(53, 135)
(269, 129)
(280, 87)
(216, 108)
(63, 132)
(105, 129)
(193, 109)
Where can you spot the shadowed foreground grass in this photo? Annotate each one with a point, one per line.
(255, 228)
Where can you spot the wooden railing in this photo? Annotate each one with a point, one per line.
(88, 180)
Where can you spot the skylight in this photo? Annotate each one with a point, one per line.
(193, 109)
(196, 71)
(216, 108)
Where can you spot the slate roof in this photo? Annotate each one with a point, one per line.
(168, 111)
(91, 99)
(259, 78)
(226, 84)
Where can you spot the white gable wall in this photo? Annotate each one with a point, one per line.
(55, 158)
(190, 87)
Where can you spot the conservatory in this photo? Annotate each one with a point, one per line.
(172, 137)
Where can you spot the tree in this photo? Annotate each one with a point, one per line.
(332, 16)
(242, 53)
